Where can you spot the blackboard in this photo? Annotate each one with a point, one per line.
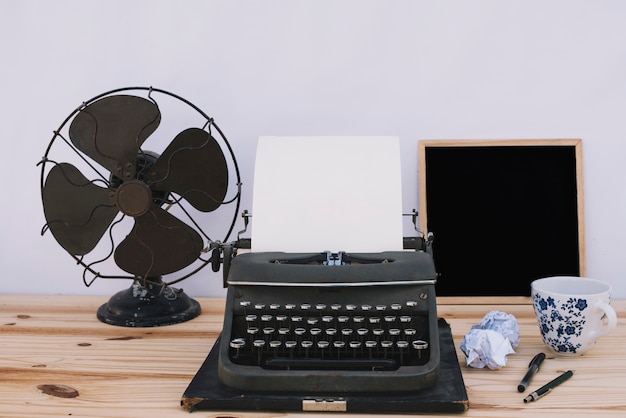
(502, 212)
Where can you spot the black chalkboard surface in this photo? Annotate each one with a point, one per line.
(502, 212)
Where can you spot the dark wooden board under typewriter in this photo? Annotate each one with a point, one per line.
(205, 392)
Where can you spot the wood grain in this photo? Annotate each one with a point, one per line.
(57, 344)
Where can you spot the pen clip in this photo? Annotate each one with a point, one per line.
(537, 360)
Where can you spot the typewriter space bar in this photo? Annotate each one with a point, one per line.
(331, 364)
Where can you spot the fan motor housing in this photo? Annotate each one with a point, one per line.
(133, 198)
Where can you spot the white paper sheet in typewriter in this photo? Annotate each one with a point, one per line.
(327, 193)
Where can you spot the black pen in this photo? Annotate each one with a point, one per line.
(547, 388)
(533, 367)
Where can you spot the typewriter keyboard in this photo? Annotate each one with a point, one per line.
(301, 336)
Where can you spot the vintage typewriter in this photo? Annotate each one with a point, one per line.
(330, 322)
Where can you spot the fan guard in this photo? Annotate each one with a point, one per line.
(165, 195)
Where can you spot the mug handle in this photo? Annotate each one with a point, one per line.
(611, 317)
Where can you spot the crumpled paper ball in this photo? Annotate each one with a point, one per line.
(489, 342)
(502, 322)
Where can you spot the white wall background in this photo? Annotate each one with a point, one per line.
(418, 69)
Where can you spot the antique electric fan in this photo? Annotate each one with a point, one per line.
(134, 200)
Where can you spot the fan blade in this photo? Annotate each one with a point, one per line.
(194, 167)
(158, 244)
(112, 129)
(77, 211)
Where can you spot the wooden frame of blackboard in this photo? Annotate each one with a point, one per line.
(502, 212)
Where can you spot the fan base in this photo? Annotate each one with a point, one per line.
(137, 307)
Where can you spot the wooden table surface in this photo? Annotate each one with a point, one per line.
(142, 372)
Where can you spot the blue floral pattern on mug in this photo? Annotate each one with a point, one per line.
(560, 322)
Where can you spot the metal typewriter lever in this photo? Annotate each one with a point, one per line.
(333, 259)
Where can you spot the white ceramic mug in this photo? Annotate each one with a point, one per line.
(572, 312)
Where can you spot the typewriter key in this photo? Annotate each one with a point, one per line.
(306, 344)
(237, 344)
(290, 345)
(275, 345)
(259, 344)
(339, 345)
(401, 346)
(394, 332)
(386, 345)
(322, 345)
(370, 345)
(312, 321)
(252, 330)
(420, 346)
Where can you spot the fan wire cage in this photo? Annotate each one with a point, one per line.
(167, 197)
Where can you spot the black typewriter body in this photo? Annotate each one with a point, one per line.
(330, 323)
